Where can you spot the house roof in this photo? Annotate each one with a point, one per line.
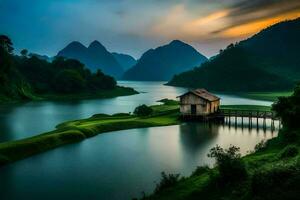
(202, 93)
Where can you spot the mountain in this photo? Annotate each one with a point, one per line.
(95, 56)
(165, 61)
(126, 61)
(268, 61)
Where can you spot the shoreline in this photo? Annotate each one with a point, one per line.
(74, 131)
(78, 130)
(103, 94)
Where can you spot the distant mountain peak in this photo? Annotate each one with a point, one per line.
(165, 61)
(177, 42)
(96, 44)
(75, 44)
(95, 56)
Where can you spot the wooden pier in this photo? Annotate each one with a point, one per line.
(231, 116)
(250, 118)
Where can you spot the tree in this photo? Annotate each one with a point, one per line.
(24, 52)
(6, 60)
(288, 109)
(229, 163)
(6, 43)
(69, 81)
(143, 110)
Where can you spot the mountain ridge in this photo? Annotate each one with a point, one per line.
(164, 61)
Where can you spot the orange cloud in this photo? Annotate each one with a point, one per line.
(256, 26)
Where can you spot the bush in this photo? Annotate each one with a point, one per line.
(260, 146)
(200, 170)
(289, 151)
(167, 181)
(277, 183)
(229, 163)
(143, 110)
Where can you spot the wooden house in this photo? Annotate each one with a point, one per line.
(198, 103)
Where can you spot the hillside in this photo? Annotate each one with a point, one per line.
(126, 61)
(165, 61)
(268, 61)
(95, 57)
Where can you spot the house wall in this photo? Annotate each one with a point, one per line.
(203, 107)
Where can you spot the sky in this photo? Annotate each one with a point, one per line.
(134, 26)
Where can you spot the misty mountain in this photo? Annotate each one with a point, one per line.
(126, 61)
(95, 56)
(164, 62)
(267, 61)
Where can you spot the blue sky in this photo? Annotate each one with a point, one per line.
(133, 26)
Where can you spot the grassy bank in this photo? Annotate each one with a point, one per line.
(246, 107)
(265, 96)
(78, 130)
(273, 172)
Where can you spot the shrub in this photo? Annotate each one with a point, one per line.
(229, 163)
(143, 110)
(280, 182)
(167, 181)
(260, 146)
(200, 170)
(289, 151)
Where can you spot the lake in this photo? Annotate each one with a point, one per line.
(28, 119)
(116, 165)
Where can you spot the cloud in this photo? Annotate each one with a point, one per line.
(237, 20)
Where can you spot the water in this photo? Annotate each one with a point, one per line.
(116, 165)
(28, 119)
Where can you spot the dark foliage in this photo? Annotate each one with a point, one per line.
(288, 109)
(200, 170)
(277, 183)
(289, 151)
(231, 167)
(167, 181)
(143, 110)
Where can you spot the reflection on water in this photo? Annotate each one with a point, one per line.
(122, 164)
(28, 119)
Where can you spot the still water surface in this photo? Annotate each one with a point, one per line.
(28, 119)
(117, 165)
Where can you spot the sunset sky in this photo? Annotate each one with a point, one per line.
(133, 26)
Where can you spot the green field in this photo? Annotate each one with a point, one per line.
(246, 107)
(265, 96)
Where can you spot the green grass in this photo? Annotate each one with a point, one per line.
(77, 130)
(246, 107)
(265, 96)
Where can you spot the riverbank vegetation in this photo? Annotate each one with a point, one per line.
(272, 171)
(31, 78)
